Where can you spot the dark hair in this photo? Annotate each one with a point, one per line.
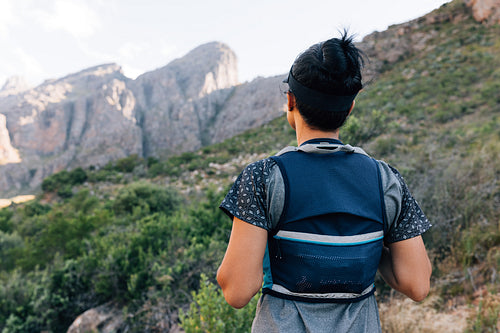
(332, 67)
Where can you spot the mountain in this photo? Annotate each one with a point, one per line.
(99, 115)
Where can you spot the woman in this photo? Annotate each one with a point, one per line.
(319, 219)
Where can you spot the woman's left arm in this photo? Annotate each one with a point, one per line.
(406, 267)
(240, 274)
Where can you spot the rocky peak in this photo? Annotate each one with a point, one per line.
(7, 153)
(100, 73)
(14, 85)
(207, 68)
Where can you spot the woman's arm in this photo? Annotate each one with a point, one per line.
(406, 267)
(240, 273)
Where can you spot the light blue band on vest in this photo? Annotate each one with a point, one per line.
(329, 240)
(339, 296)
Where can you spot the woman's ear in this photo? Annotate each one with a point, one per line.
(291, 101)
(352, 107)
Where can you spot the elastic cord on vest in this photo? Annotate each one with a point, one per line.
(317, 99)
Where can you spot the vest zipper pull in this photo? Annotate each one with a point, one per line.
(278, 249)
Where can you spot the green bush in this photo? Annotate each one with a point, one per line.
(146, 198)
(127, 164)
(64, 180)
(6, 224)
(209, 312)
(77, 176)
(10, 249)
(35, 208)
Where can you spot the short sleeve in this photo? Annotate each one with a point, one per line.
(411, 221)
(248, 199)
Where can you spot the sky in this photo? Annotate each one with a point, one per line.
(48, 39)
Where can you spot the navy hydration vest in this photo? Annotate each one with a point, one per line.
(328, 242)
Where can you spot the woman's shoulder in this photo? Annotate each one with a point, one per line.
(262, 167)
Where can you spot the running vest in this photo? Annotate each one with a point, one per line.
(328, 242)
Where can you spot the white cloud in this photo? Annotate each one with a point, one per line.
(131, 71)
(16, 61)
(6, 17)
(139, 57)
(168, 50)
(151, 49)
(73, 16)
(27, 63)
(131, 50)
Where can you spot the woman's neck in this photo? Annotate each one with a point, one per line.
(305, 133)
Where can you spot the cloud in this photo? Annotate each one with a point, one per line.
(131, 71)
(6, 17)
(24, 64)
(139, 57)
(28, 63)
(72, 16)
(131, 50)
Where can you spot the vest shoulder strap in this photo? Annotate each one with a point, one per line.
(323, 148)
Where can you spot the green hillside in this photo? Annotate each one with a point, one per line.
(138, 234)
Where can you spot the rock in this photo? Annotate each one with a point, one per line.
(250, 105)
(177, 102)
(103, 319)
(14, 85)
(7, 153)
(487, 11)
(83, 119)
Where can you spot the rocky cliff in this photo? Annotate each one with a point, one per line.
(99, 115)
(398, 41)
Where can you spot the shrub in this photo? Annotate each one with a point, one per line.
(128, 164)
(65, 179)
(209, 312)
(143, 196)
(6, 220)
(486, 316)
(10, 249)
(35, 208)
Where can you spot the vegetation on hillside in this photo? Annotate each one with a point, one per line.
(118, 235)
(146, 236)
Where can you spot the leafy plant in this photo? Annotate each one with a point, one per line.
(209, 312)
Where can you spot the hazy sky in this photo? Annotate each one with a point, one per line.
(44, 39)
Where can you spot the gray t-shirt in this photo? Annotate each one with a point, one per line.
(257, 197)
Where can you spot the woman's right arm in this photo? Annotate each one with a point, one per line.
(240, 273)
